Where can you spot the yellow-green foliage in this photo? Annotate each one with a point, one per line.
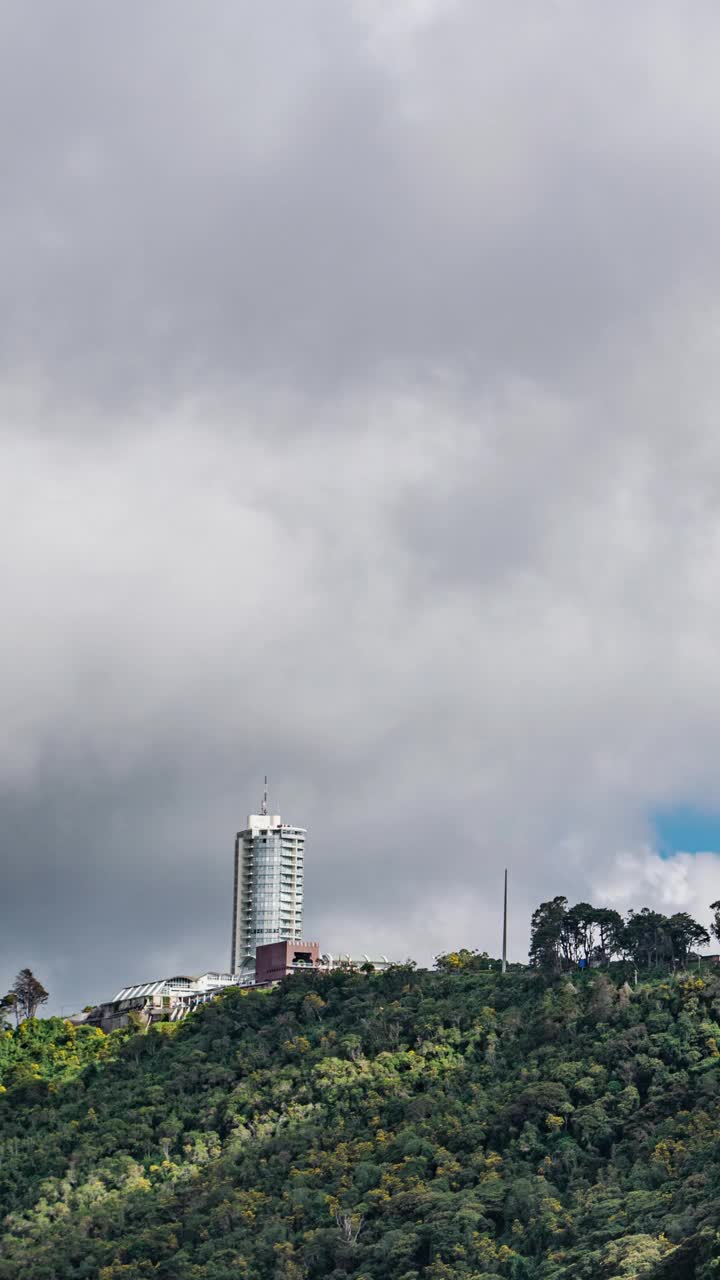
(460, 1125)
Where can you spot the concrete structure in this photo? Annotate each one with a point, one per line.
(171, 989)
(267, 888)
(171, 999)
(277, 959)
(165, 1000)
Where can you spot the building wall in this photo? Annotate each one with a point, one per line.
(276, 959)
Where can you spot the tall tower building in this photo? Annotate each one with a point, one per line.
(268, 885)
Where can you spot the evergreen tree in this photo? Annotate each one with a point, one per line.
(29, 993)
(549, 937)
(685, 934)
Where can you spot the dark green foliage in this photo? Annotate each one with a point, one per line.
(685, 934)
(8, 1005)
(548, 934)
(405, 1126)
(562, 937)
(715, 926)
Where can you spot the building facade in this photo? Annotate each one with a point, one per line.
(267, 888)
(164, 1000)
(276, 961)
(280, 959)
(172, 999)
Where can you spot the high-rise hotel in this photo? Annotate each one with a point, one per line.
(268, 886)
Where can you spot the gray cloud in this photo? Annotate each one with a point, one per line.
(358, 380)
(307, 194)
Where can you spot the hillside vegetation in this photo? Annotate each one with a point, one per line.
(395, 1127)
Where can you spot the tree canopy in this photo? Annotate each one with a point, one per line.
(562, 937)
(24, 997)
(458, 1125)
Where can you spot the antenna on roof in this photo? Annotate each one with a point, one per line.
(263, 810)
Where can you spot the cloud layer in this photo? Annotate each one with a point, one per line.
(358, 372)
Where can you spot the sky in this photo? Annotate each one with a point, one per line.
(359, 373)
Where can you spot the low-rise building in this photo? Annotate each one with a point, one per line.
(164, 1000)
(169, 990)
(170, 999)
(277, 960)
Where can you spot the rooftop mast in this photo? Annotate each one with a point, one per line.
(263, 809)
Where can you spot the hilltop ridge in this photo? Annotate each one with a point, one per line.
(403, 1126)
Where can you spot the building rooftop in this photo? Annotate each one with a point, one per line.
(186, 984)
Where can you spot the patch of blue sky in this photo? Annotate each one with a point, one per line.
(686, 830)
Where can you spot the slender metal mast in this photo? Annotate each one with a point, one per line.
(504, 951)
(263, 809)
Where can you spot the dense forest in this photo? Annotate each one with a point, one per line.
(405, 1126)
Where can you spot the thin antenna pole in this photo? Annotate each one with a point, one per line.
(504, 954)
(265, 799)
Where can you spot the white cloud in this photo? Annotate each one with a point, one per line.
(686, 882)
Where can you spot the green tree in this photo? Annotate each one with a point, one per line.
(463, 960)
(609, 925)
(29, 994)
(579, 932)
(548, 942)
(646, 937)
(685, 933)
(9, 1004)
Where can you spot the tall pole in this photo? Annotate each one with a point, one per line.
(504, 955)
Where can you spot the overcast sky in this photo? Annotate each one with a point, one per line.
(359, 374)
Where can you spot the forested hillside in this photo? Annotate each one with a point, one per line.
(391, 1127)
